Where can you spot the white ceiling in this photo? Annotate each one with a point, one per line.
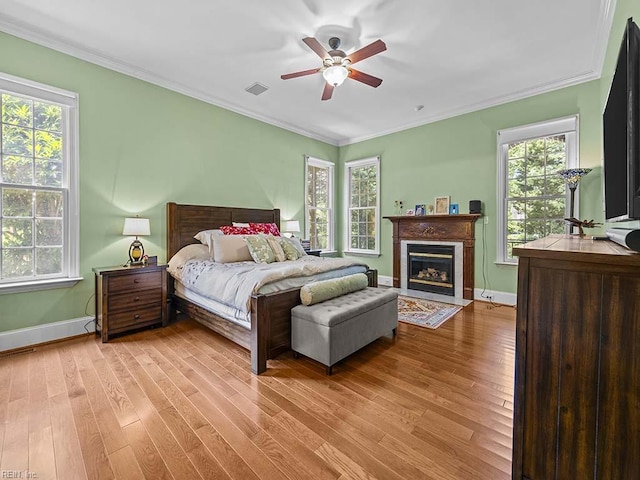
(450, 56)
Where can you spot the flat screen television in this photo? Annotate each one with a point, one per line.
(621, 133)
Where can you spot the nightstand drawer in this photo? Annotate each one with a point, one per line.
(135, 281)
(134, 299)
(136, 317)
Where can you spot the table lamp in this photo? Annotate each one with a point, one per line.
(291, 227)
(136, 226)
(572, 176)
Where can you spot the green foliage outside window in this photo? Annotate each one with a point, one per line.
(535, 192)
(31, 180)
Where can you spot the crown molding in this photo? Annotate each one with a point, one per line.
(475, 107)
(605, 15)
(15, 28)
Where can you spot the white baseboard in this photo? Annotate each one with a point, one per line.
(48, 332)
(504, 298)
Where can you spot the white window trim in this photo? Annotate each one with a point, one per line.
(565, 125)
(347, 195)
(39, 91)
(331, 224)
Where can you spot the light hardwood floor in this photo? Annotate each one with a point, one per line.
(180, 402)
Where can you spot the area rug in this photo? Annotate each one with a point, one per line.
(424, 313)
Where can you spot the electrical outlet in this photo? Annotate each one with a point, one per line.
(486, 220)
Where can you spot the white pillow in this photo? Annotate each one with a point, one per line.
(240, 224)
(205, 236)
(190, 252)
(230, 248)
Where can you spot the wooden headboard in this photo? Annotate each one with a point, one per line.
(184, 221)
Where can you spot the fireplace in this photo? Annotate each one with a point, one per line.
(431, 268)
(455, 231)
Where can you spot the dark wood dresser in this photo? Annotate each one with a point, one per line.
(577, 379)
(129, 298)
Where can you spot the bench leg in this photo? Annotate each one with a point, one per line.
(329, 370)
(395, 332)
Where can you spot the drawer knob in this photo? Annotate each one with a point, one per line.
(136, 280)
(136, 299)
(136, 316)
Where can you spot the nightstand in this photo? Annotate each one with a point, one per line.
(315, 253)
(129, 298)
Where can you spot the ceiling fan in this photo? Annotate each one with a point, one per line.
(336, 65)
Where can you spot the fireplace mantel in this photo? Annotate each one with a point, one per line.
(448, 228)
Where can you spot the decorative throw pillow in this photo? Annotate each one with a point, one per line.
(259, 249)
(240, 224)
(295, 241)
(278, 252)
(266, 228)
(204, 236)
(231, 230)
(229, 249)
(289, 249)
(317, 292)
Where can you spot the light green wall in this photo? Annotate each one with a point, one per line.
(457, 157)
(142, 146)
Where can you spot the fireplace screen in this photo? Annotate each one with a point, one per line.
(430, 268)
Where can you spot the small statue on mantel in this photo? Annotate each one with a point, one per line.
(581, 224)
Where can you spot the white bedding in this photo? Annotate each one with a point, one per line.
(229, 286)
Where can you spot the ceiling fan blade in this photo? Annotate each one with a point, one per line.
(328, 91)
(315, 45)
(368, 51)
(299, 74)
(364, 78)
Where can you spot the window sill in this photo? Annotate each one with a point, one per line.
(507, 264)
(36, 285)
(362, 254)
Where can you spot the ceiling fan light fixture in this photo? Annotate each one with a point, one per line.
(335, 75)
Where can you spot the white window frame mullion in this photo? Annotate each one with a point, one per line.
(70, 188)
(330, 166)
(567, 126)
(348, 208)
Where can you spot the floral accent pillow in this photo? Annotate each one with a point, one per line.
(266, 228)
(259, 249)
(231, 230)
(278, 252)
(290, 251)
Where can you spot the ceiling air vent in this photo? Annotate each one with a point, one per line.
(257, 88)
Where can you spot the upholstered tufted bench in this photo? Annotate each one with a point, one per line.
(334, 329)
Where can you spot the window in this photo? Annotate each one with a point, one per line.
(319, 221)
(532, 196)
(38, 186)
(363, 203)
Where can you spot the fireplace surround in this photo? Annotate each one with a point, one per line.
(455, 230)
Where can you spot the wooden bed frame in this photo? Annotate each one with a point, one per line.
(270, 333)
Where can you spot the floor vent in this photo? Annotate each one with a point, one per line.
(13, 353)
(257, 88)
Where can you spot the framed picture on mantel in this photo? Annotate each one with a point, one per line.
(442, 205)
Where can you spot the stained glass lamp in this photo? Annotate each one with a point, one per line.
(136, 227)
(572, 176)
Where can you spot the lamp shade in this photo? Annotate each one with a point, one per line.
(335, 75)
(292, 226)
(573, 175)
(136, 227)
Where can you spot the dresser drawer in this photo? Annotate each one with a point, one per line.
(137, 317)
(134, 299)
(135, 281)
